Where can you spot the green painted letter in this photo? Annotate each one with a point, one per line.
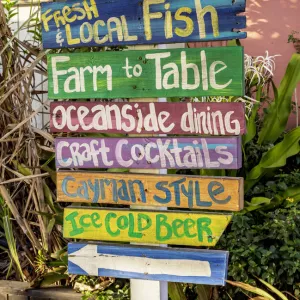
(161, 223)
(75, 230)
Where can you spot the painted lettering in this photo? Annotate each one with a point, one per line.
(149, 153)
(173, 192)
(194, 118)
(187, 72)
(136, 226)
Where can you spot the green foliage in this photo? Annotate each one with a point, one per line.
(251, 122)
(116, 291)
(52, 277)
(267, 245)
(35, 28)
(176, 291)
(275, 158)
(184, 291)
(279, 110)
(268, 150)
(6, 224)
(11, 9)
(292, 38)
(284, 190)
(264, 239)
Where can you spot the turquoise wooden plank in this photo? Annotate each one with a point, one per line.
(131, 22)
(148, 73)
(150, 263)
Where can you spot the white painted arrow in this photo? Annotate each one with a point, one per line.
(89, 260)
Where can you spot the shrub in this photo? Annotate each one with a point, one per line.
(267, 245)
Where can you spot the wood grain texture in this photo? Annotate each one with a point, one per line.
(12, 290)
(147, 73)
(141, 226)
(133, 22)
(149, 153)
(149, 263)
(178, 191)
(149, 118)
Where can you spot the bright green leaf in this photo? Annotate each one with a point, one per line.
(274, 158)
(279, 110)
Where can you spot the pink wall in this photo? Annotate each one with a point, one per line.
(269, 22)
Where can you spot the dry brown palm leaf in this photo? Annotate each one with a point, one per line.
(25, 182)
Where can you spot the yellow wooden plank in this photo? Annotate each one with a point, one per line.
(178, 191)
(140, 226)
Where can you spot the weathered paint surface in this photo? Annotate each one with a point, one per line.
(148, 118)
(130, 22)
(149, 263)
(149, 153)
(163, 227)
(178, 191)
(147, 73)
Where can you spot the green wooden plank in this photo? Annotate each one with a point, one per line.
(147, 73)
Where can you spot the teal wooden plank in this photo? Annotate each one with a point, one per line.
(132, 22)
(147, 73)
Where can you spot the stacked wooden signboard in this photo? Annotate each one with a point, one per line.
(195, 135)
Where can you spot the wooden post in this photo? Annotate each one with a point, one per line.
(200, 229)
(142, 289)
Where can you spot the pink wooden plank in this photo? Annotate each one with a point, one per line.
(160, 118)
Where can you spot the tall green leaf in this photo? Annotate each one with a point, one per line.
(274, 158)
(50, 278)
(251, 123)
(203, 292)
(279, 111)
(176, 291)
(255, 204)
(7, 226)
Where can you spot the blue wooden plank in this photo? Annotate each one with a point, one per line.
(148, 263)
(125, 22)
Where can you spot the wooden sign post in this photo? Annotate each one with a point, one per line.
(146, 73)
(139, 288)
